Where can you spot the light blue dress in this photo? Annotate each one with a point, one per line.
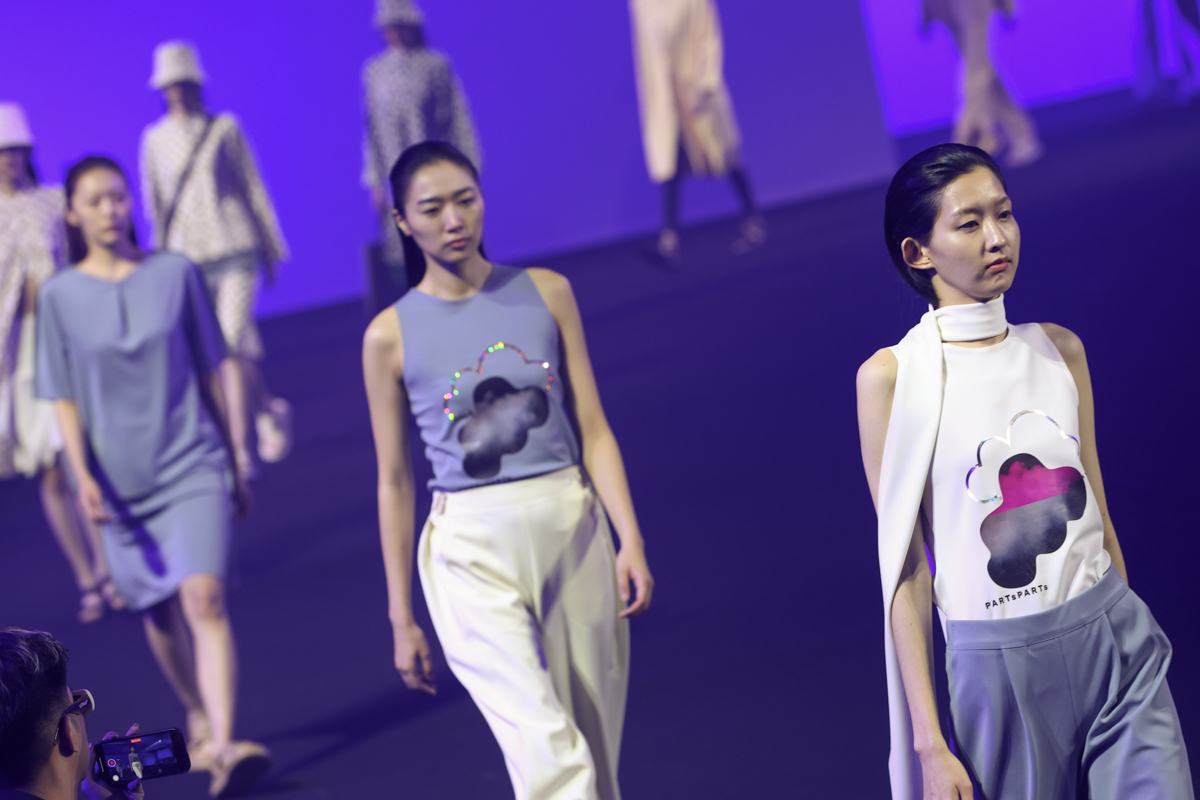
(133, 355)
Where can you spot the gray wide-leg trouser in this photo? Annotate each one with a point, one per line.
(1071, 702)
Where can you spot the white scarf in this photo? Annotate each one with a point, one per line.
(907, 456)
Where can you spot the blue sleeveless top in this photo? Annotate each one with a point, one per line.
(485, 384)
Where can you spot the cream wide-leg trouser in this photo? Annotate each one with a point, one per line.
(520, 582)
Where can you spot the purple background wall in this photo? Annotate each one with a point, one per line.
(917, 74)
(551, 85)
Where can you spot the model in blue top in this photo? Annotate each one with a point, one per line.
(129, 350)
(528, 599)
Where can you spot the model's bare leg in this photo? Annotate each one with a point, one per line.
(65, 522)
(202, 598)
(989, 118)
(171, 643)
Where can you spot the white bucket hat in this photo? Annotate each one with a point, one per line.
(14, 128)
(175, 62)
(397, 12)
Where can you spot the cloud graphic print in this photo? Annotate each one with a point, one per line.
(1032, 519)
(500, 424)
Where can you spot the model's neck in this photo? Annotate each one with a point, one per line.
(110, 263)
(455, 281)
(973, 324)
(14, 185)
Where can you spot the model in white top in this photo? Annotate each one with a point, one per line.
(978, 440)
(1008, 502)
(205, 199)
(32, 248)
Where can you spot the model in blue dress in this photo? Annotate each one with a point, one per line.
(130, 351)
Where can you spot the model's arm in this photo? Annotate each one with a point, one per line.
(1070, 347)
(69, 427)
(383, 365)
(228, 403)
(912, 619)
(274, 246)
(601, 456)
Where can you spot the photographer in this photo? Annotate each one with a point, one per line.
(44, 748)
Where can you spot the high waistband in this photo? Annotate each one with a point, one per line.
(510, 493)
(997, 634)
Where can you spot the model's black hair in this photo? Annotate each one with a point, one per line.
(76, 246)
(30, 169)
(915, 196)
(410, 162)
(33, 686)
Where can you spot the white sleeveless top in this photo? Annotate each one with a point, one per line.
(1010, 517)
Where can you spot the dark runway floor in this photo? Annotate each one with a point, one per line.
(730, 384)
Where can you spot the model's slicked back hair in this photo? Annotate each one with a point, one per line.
(410, 162)
(33, 688)
(915, 196)
(76, 246)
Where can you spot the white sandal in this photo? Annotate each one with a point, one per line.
(274, 429)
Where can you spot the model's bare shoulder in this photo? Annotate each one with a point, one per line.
(556, 292)
(382, 339)
(1069, 345)
(877, 375)
(548, 281)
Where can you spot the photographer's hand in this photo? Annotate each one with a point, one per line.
(98, 791)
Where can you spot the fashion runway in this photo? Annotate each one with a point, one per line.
(729, 381)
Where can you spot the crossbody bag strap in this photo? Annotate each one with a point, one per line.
(169, 216)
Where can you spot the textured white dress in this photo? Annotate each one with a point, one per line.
(685, 105)
(32, 247)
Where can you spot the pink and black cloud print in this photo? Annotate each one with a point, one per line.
(1032, 519)
(1036, 503)
(496, 415)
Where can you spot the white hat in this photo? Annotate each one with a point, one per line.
(14, 128)
(175, 62)
(397, 12)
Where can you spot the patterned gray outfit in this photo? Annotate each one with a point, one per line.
(224, 222)
(410, 96)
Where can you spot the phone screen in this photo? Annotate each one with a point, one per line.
(148, 755)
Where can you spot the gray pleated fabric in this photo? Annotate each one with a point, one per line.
(1071, 702)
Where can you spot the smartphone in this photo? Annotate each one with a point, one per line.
(119, 762)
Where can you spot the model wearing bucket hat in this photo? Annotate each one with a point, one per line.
(190, 158)
(397, 12)
(176, 62)
(31, 250)
(411, 95)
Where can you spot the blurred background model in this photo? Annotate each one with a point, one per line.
(32, 248)
(411, 95)
(204, 198)
(688, 126)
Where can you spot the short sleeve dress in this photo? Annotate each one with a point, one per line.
(133, 355)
